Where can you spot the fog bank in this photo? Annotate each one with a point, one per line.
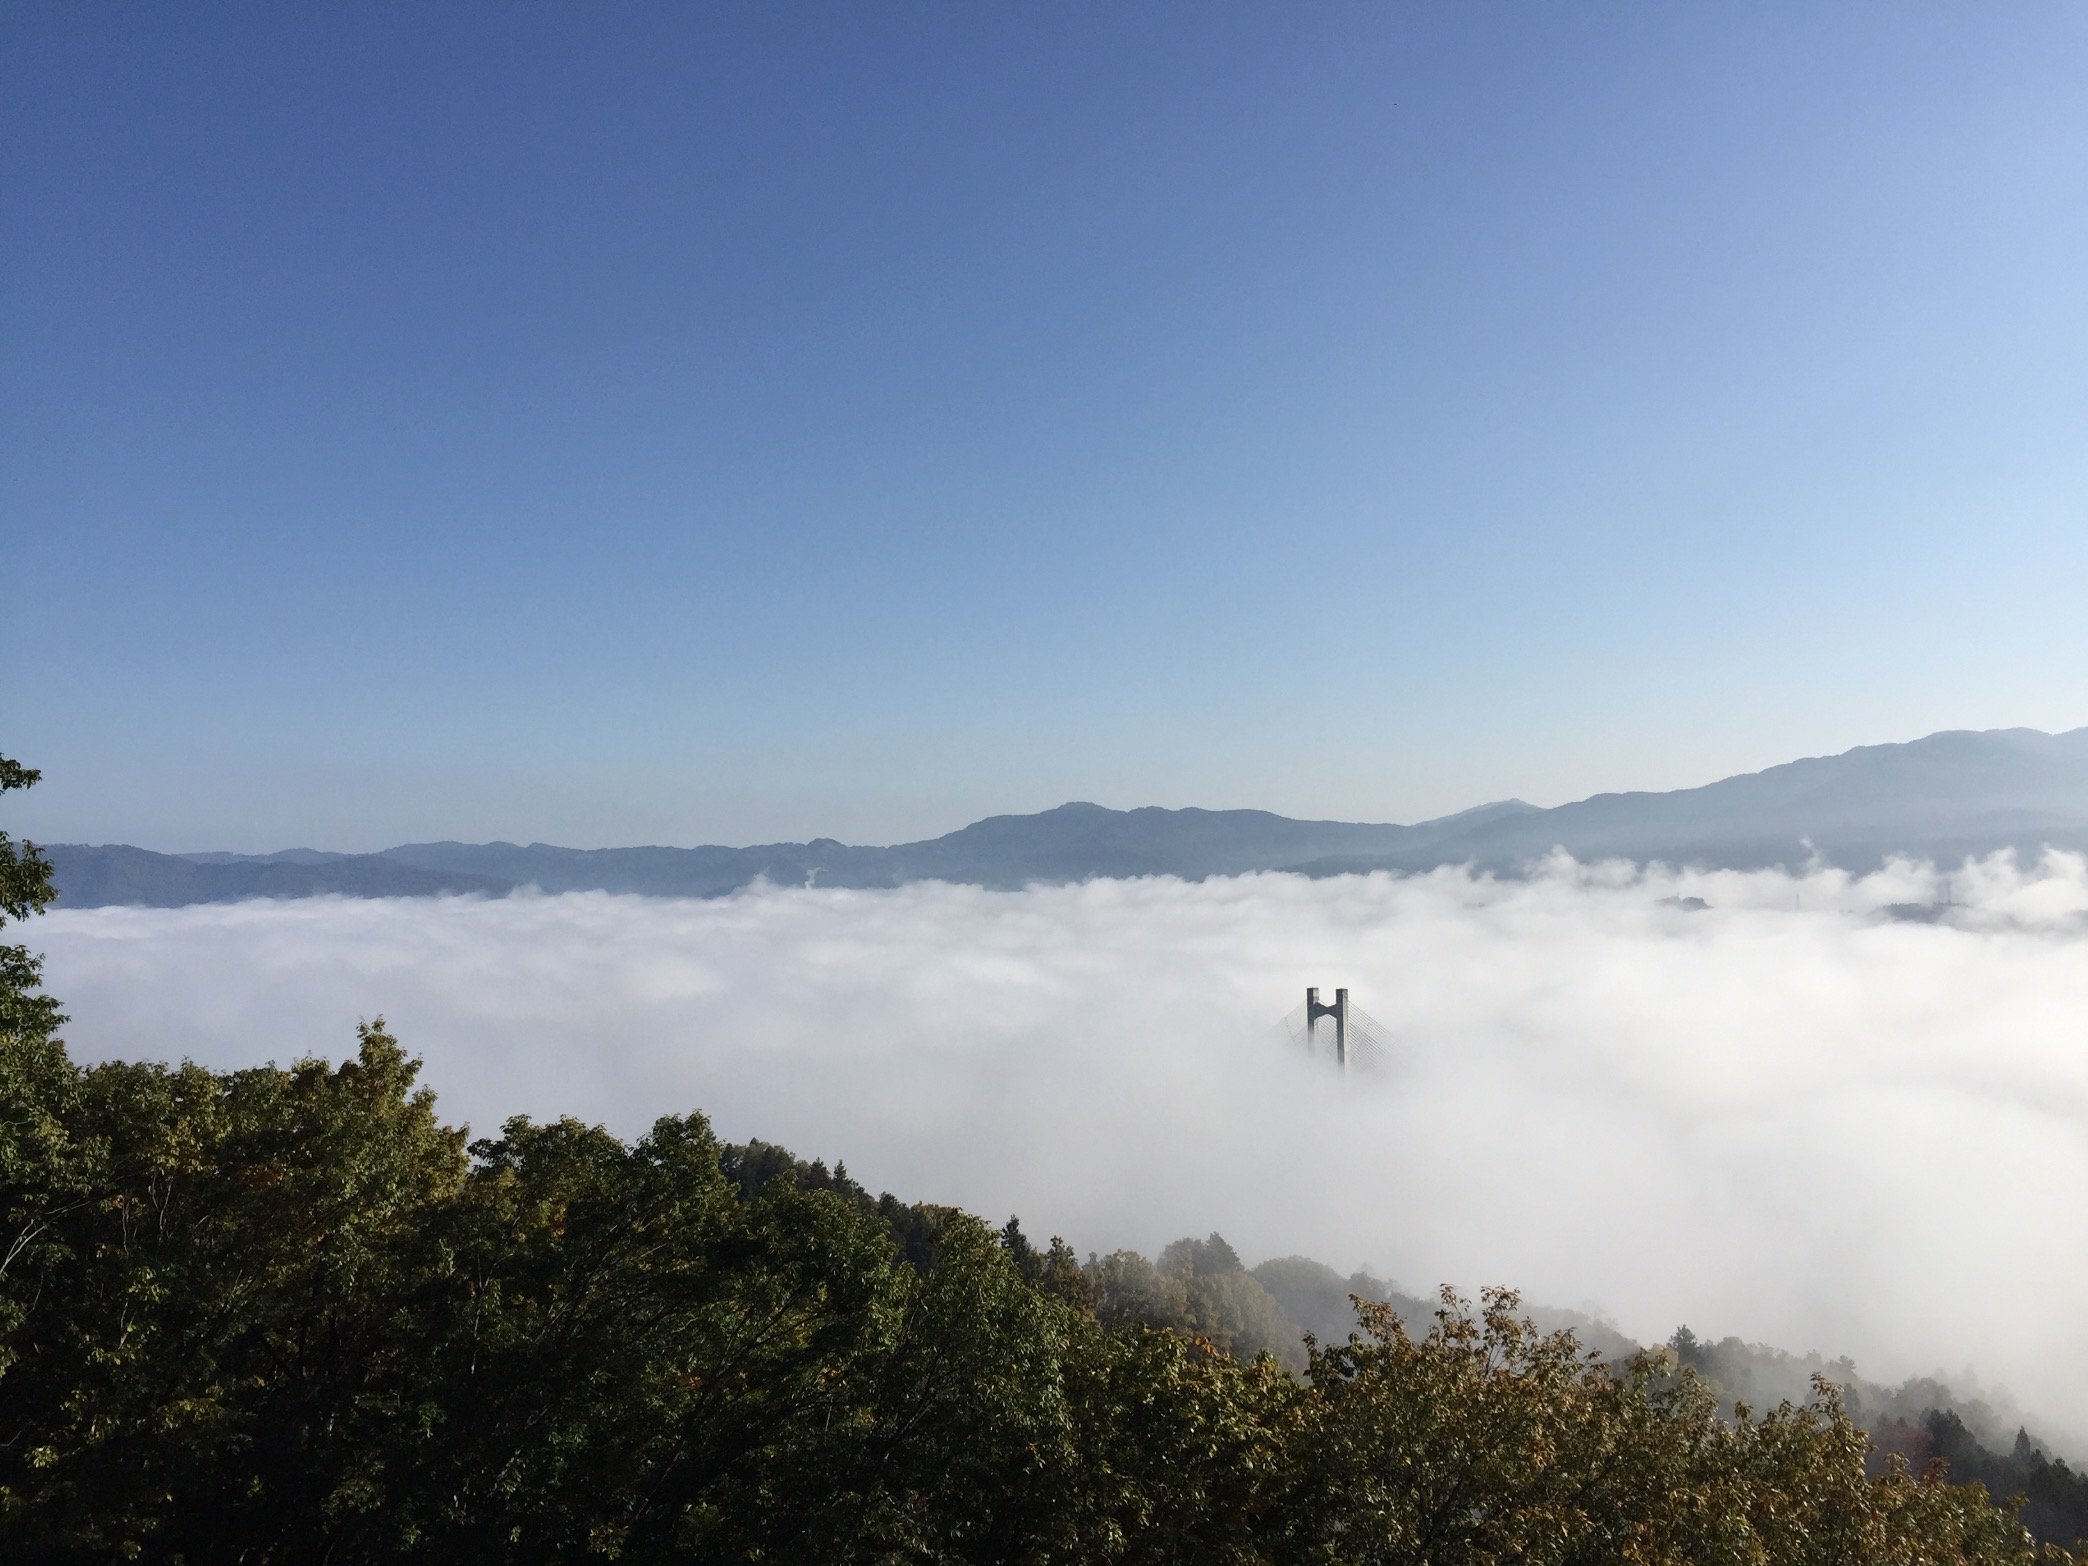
(1787, 1114)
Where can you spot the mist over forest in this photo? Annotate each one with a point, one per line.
(1828, 1112)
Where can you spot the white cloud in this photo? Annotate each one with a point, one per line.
(1786, 1116)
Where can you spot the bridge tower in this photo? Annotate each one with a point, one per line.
(1315, 1009)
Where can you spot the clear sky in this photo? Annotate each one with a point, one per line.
(673, 423)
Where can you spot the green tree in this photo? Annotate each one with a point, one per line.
(1184, 1449)
(39, 1158)
(29, 1019)
(1228, 1305)
(26, 1014)
(215, 1353)
(1487, 1441)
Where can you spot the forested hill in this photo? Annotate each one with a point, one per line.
(1944, 797)
(287, 1315)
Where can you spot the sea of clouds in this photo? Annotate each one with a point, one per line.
(1789, 1114)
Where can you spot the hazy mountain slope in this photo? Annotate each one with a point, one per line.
(659, 872)
(96, 876)
(288, 856)
(1070, 843)
(1077, 841)
(1945, 797)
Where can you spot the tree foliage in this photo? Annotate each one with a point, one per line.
(285, 1314)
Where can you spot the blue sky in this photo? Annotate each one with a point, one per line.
(673, 423)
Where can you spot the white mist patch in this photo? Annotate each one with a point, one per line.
(1785, 1115)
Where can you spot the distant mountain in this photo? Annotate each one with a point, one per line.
(1071, 843)
(95, 877)
(282, 856)
(1942, 797)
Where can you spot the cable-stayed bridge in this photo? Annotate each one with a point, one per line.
(1338, 1032)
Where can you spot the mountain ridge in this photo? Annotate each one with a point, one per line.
(1944, 796)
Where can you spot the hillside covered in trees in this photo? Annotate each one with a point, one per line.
(287, 1314)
